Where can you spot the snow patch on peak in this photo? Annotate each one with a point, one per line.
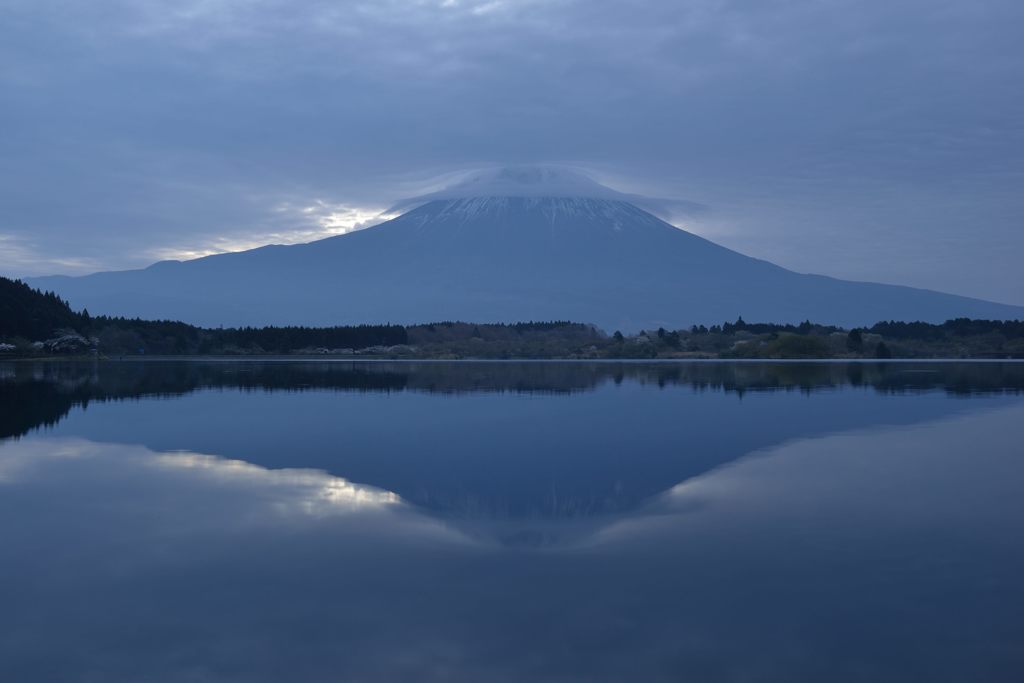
(545, 183)
(518, 181)
(551, 207)
(560, 214)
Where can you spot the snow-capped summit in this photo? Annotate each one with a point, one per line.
(505, 245)
(538, 182)
(522, 181)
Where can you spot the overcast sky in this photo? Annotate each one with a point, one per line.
(868, 140)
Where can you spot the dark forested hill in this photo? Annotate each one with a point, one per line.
(31, 314)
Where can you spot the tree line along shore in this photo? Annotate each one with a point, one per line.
(36, 324)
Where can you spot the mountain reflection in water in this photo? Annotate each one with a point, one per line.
(519, 441)
(885, 552)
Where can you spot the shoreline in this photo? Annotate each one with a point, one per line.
(326, 358)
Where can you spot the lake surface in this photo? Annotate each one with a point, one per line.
(547, 521)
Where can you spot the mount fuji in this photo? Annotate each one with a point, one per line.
(509, 245)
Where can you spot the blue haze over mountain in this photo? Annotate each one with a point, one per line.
(510, 245)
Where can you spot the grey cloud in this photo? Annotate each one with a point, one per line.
(880, 142)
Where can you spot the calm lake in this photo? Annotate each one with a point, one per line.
(548, 521)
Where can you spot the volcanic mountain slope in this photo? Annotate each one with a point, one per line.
(498, 258)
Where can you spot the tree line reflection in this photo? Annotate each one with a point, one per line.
(40, 394)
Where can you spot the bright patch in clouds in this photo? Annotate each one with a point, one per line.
(317, 220)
